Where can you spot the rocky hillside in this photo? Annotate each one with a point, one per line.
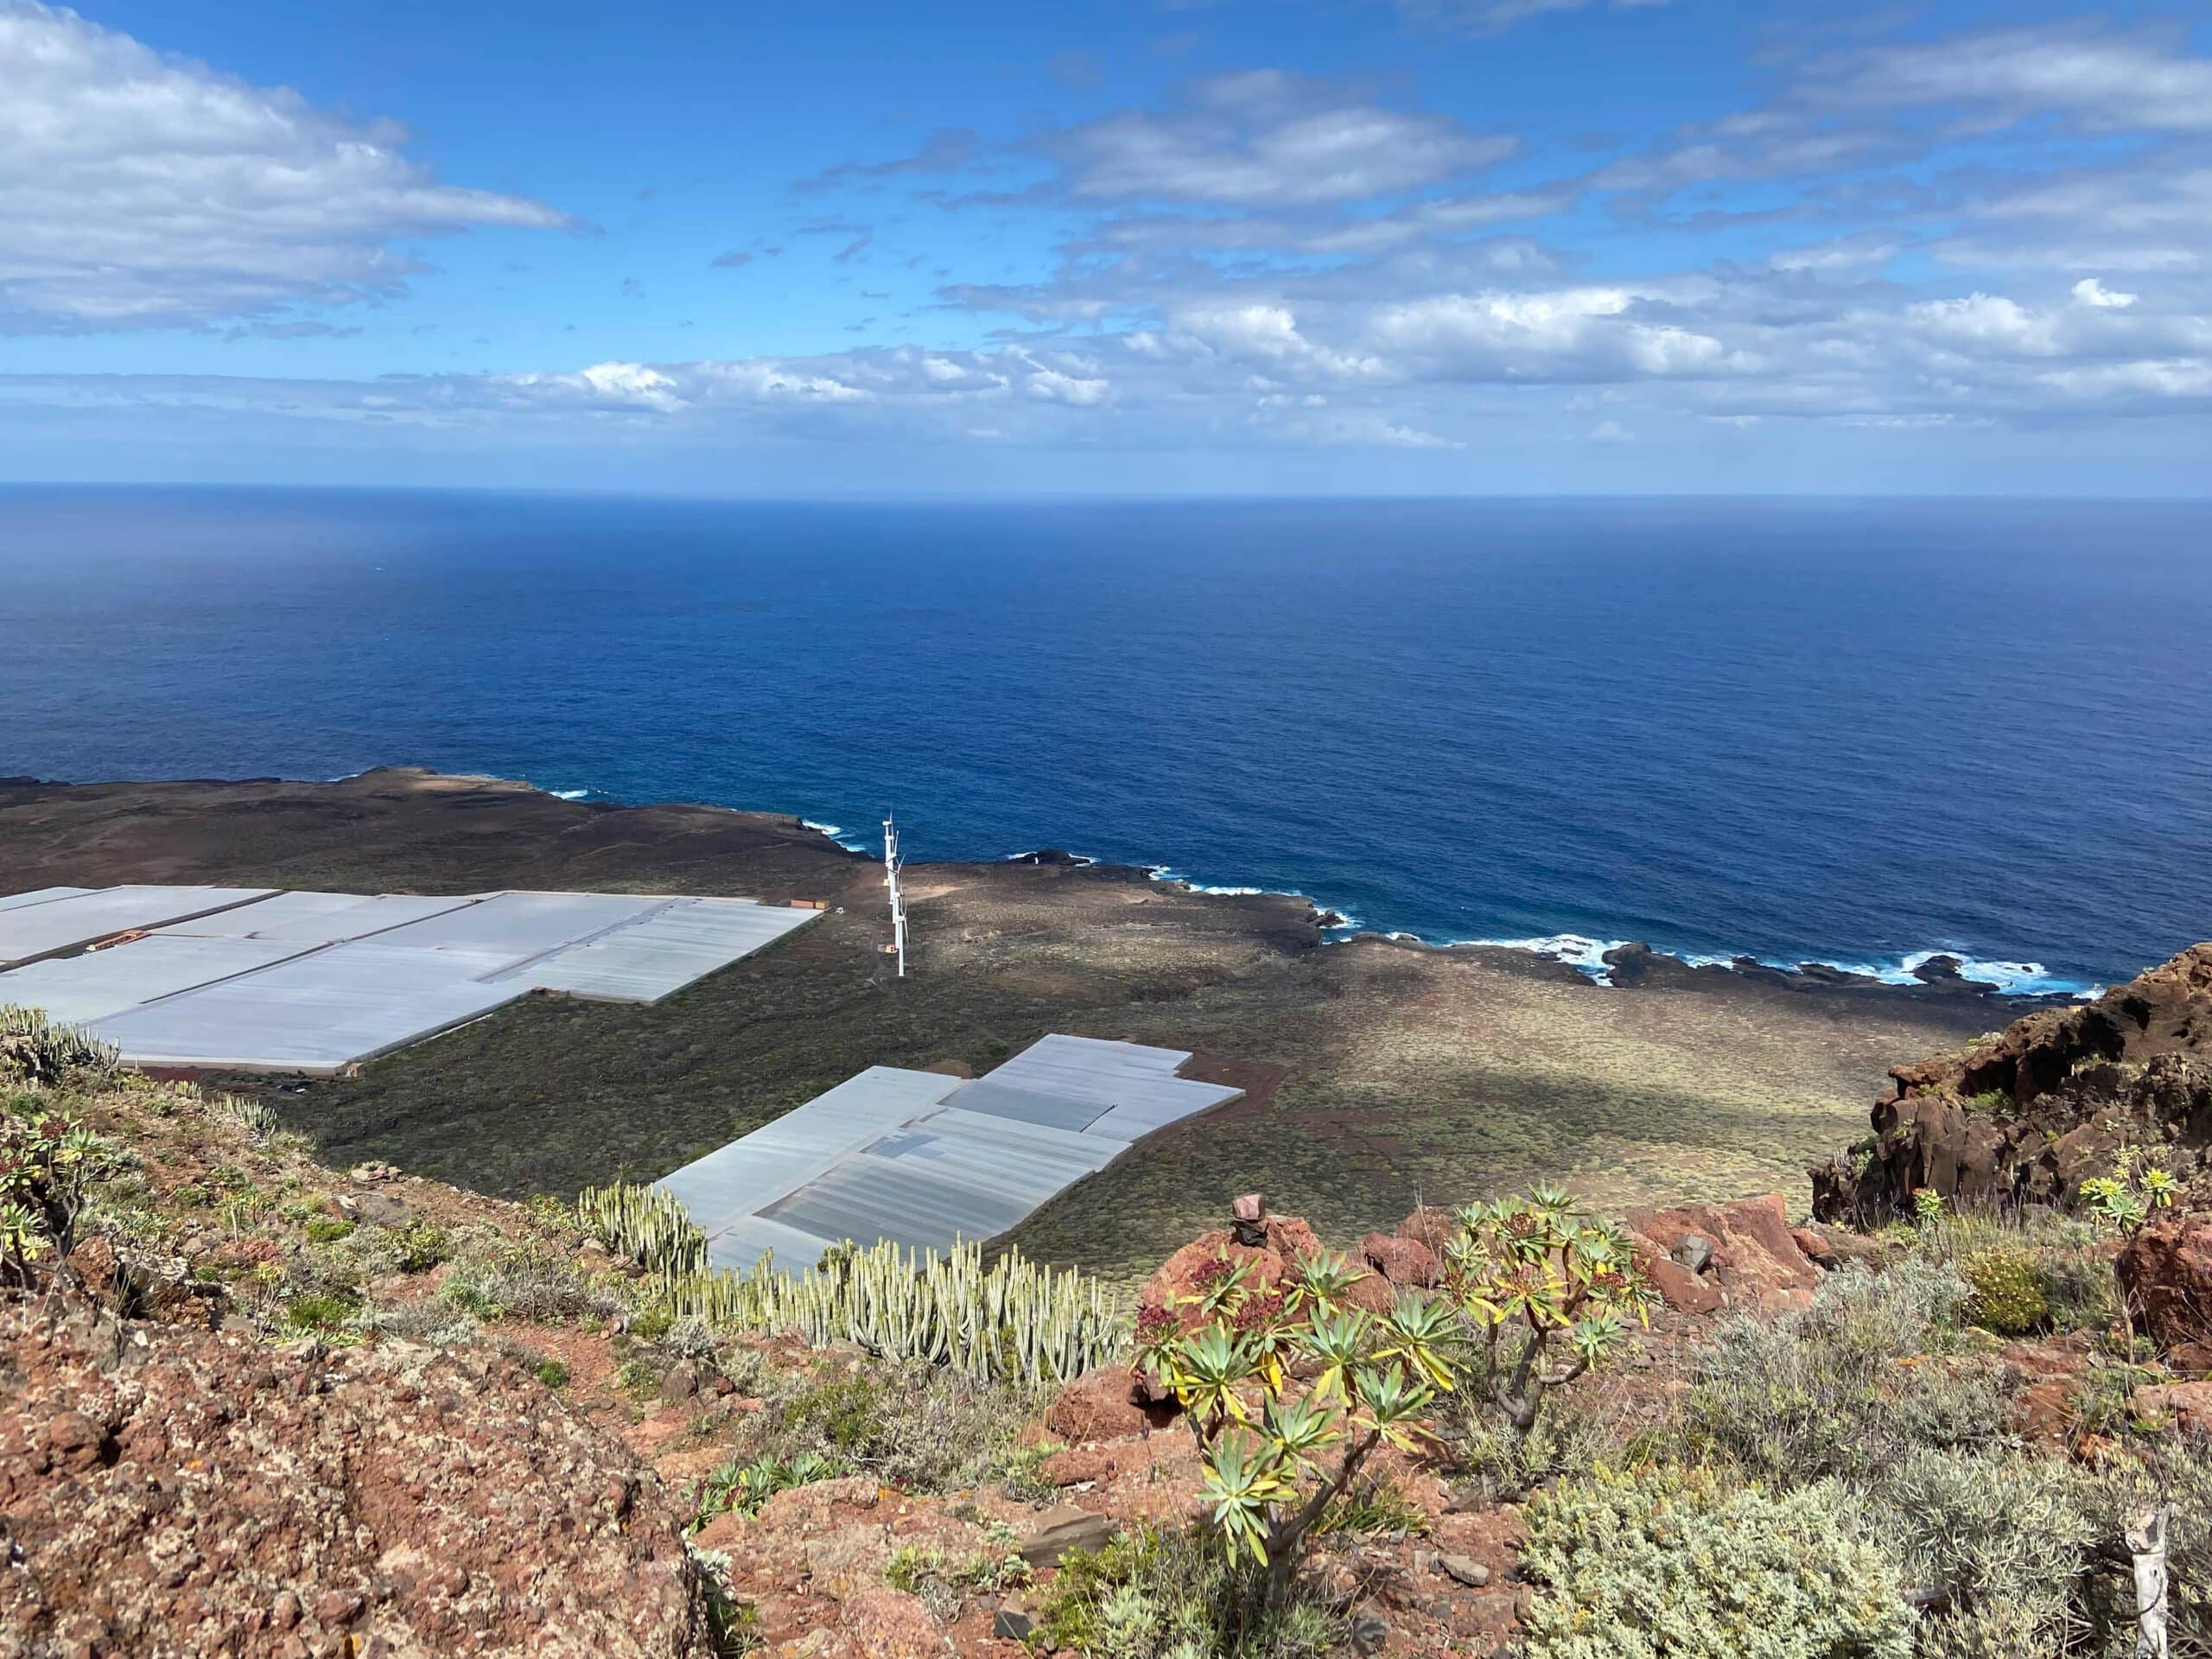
(253, 1405)
(2027, 1114)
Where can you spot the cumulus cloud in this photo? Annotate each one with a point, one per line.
(140, 190)
(1559, 335)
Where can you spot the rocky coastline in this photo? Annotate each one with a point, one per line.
(1391, 1067)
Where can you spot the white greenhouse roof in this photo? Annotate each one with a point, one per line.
(926, 1160)
(31, 927)
(251, 980)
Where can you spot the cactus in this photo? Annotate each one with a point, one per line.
(645, 1222)
(1012, 1320)
(44, 1052)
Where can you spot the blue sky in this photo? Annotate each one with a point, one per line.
(1206, 245)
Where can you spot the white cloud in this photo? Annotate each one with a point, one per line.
(1561, 334)
(1265, 333)
(2091, 292)
(1264, 138)
(2135, 83)
(1076, 391)
(141, 190)
(1985, 321)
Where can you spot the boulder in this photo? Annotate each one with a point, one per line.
(1407, 1263)
(1062, 1528)
(2045, 1378)
(2190, 1405)
(1431, 1226)
(1752, 1257)
(1679, 1287)
(1100, 1405)
(2167, 1269)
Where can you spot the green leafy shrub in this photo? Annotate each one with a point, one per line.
(1156, 1594)
(523, 1282)
(1842, 1387)
(1506, 1466)
(325, 1313)
(327, 1230)
(421, 1245)
(1549, 1290)
(2175, 1472)
(551, 1372)
(2008, 1290)
(745, 1486)
(49, 1165)
(1684, 1564)
(1290, 1389)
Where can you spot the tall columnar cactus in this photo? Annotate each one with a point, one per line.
(1012, 1320)
(33, 1047)
(646, 1223)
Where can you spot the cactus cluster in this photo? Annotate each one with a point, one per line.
(42, 1051)
(646, 1224)
(1010, 1321)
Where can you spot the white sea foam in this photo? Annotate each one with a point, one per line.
(1577, 950)
(568, 794)
(2010, 978)
(832, 831)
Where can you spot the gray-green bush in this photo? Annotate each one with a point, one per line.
(1669, 1563)
(1822, 1392)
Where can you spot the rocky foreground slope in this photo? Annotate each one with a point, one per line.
(249, 1404)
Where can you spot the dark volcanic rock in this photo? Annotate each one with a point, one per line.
(2029, 1115)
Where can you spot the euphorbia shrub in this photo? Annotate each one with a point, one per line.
(1290, 1387)
(1550, 1291)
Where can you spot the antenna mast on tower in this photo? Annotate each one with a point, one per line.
(891, 864)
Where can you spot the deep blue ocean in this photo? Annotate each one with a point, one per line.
(1843, 731)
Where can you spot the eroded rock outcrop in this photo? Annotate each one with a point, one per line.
(2027, 1117)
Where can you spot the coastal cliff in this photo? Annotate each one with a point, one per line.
(2027, 1114)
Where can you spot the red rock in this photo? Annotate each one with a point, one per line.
(1754, 1257)
(2190, 1404)
(887, 1623)
(1406, 1263)
(1816, 1245)
(2070, 1086)
(1431, 1226)
(282, 1474)
(2167, 1268)
(73, 1440)
(2047, 1377)
(1679, 1287)
(1100, 1405)
(1372, 1293)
